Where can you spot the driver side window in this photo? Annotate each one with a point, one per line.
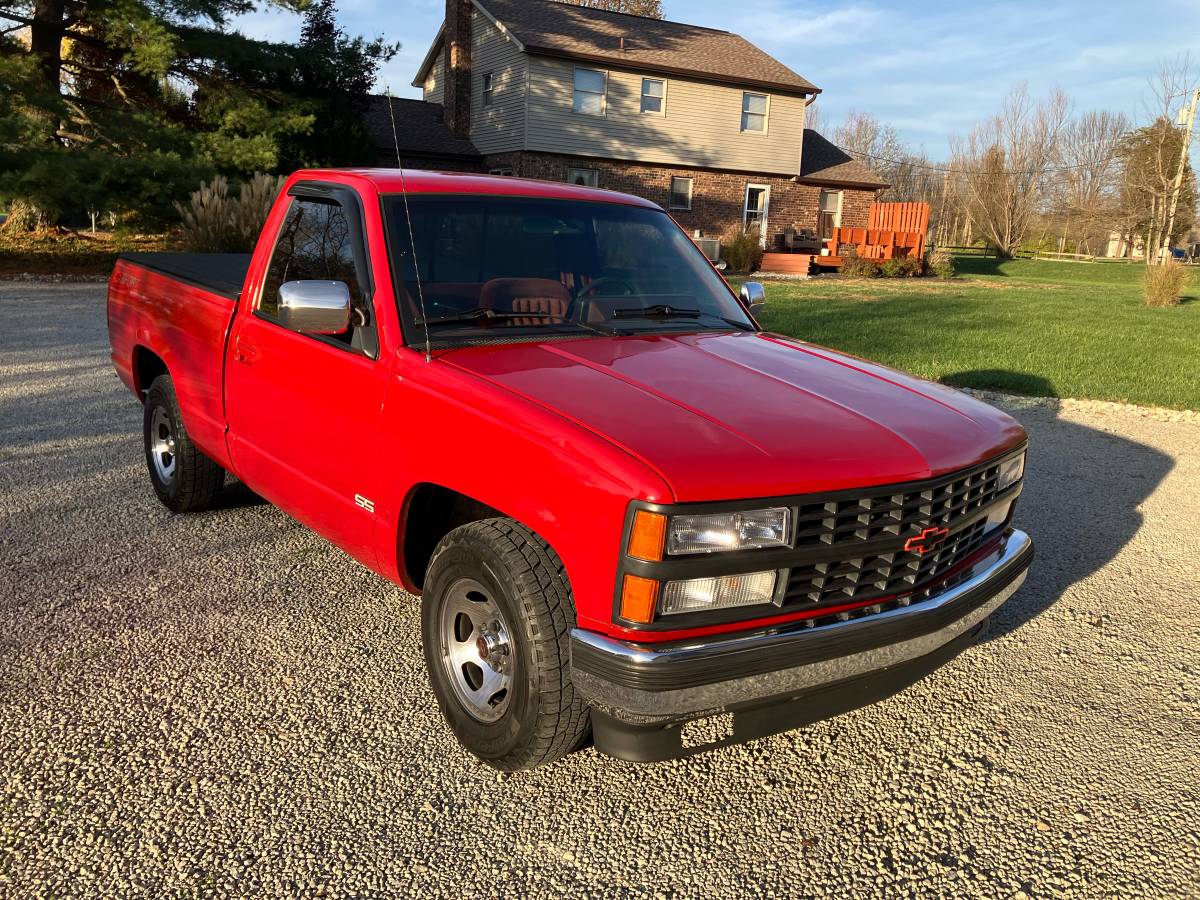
(316, 242)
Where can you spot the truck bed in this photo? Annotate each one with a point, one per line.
(173, 311)
(218, 273)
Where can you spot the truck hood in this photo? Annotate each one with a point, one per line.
(724, 416)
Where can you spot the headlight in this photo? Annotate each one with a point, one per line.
(723, 592)
(729, 531)
(1011, 471)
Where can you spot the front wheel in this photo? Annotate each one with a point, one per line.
(184, 479)
(496, 616)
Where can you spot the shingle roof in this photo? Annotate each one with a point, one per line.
(419, 126)
(825, 162)
(550, 28)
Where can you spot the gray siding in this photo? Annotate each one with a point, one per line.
(499, 128)
(701, 127)
(435, 81)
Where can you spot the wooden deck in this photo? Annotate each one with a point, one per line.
(786, 263)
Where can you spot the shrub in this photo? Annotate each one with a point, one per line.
(860, 267)
(903, 267)
(215, 222)
(255, 199)
(1164, 284)
(941, 264)
(742, 252)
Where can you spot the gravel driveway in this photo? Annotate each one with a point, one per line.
(225, 704)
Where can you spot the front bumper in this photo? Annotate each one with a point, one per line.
(646, 699)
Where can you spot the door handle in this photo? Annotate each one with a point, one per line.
(245, 353)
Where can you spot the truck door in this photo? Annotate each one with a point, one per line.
(303, 409)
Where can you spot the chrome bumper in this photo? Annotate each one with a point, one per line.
(647, 685)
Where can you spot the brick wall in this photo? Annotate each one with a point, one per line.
(387, 160)
(717, 197)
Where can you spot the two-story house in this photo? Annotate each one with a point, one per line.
(698, 120)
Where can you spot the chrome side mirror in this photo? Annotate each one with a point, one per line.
(315, 307)
(754, 297)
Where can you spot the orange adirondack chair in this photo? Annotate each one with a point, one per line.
(893, 230)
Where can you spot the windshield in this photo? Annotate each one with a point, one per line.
(514, 267)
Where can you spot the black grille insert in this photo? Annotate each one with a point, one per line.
(892, 517)
(881, 515)
(863, 578)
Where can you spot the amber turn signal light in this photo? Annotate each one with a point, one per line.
(647, 536)
(639, 597)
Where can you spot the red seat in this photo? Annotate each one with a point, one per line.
(527, 295)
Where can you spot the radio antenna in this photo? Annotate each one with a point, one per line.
(412, 241)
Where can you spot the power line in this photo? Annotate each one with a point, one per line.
(950, 171)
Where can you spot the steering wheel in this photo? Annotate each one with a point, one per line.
(583, 297)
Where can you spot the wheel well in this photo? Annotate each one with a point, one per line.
(147, 365)
(431, 513)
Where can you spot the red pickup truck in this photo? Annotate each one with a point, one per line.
(629, 512)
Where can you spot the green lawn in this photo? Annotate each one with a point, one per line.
(1021, 326)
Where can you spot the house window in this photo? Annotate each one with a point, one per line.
(754, 112)
(590, 86)
(831, 213)
(501, 170)
(654, 96)
(584, 177)
(681, 193)
(488, 83)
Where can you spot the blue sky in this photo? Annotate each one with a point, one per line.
(929, 68)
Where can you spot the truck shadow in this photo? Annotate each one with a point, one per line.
(1084, 489)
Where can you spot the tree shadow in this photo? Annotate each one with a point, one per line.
(1084, 489)
(980, 265)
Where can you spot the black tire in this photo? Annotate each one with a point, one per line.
(542, 718)
(184, 479)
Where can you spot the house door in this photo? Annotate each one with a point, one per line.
(754, 210)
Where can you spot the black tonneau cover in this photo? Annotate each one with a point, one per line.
(220, 273)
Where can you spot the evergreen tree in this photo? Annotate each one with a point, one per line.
(133, 102)
(336, 73)
(1149, 159)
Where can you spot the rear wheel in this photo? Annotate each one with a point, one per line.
(184, 479)
(496, 616)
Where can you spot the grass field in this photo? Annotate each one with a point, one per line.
(1053, 329)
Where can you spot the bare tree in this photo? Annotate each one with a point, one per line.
(1086, 188)
(1005, 162)
(878, 145)
(814, 118)
(865, 137)
(913, 178)
(651, 8)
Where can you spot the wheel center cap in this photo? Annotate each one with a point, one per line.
(491, 647)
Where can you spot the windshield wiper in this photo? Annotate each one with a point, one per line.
(481, 313)
(666, 311)
(740, 326)
(661, 311)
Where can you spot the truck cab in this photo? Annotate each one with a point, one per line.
(627, 509)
